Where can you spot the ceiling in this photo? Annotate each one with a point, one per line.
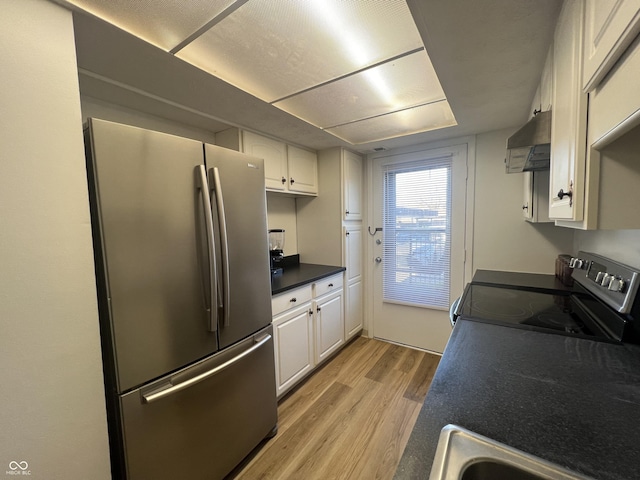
(488, 56)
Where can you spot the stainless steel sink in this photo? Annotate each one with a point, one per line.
(465, 455)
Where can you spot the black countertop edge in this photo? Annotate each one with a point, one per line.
(301, 274)
(571, 401)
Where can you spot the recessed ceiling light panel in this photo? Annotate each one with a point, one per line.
(396, 85)
(406, 122)
(277, 48)
(164, 24)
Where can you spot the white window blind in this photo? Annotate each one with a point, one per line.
(417, 233)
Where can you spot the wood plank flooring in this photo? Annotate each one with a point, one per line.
(350, 420)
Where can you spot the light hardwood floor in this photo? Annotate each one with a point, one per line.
(350, 420)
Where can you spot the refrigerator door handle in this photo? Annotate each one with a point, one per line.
(201, 175)
(224, 246)
(159, 394)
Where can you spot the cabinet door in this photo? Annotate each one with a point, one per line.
(527, 201)
(303, 170)
(293, 335)
(610, 27)
(329, 325)
(353, 321)
(569, 125)
(352, 192)
(274, 154)
(353, 252)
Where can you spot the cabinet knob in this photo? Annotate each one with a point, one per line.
(562, 194)
(318, 309)
(525, 207)
(292, 181)
(330, 285)
(293, 300)
(310, 312)
(346, 212)
(284, 180)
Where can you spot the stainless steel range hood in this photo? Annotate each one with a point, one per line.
(530, 147)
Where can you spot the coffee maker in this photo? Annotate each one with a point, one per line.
(276, 250)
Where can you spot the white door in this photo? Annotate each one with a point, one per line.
(419, 256)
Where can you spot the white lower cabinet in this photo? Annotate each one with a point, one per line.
(293, 345)
(329, 318)
(308, 327)
(353, 319)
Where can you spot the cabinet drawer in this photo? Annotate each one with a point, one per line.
(290, 299)
(327, 285)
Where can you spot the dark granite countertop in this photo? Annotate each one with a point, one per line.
(536, 281)
(297, 275)
(571, 401)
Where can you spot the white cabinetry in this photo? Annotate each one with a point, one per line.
(354, 319)
(328, 235)
(293, 336)
(308, 327)
(610, 27)
(535, 208)
(329, 317)
(288, 169)
(303, 170)
(543, 99)
(352, 188)
(569, 121)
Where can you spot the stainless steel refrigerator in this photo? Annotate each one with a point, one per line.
(180, 241)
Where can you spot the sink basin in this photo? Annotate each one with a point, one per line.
(465, 455)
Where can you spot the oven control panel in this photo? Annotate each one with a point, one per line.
(612, 282)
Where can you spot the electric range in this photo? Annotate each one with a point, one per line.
(602, 304)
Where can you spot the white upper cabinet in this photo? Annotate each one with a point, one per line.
(303, 170)
(610, 27)
(287, 169)
(352, 188)
(274, 154)
(569, 124)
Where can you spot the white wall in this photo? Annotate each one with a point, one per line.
(52, 413)
(281, 213)
(502, 240)
(620, 245)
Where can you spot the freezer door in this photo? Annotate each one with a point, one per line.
(151, 254)
(240, 219)
(201, 422)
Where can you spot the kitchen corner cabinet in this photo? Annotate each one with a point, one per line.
(610, 27)
(535, 208)
(569, 121)
(287, 168)
(328, 235)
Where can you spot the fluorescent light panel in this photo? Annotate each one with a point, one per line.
(164, 23)
(277, 48)
(406, 122)
(357, 69)
(396, 85)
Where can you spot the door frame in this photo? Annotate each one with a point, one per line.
(368, 270)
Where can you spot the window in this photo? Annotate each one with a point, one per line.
(417, 233)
